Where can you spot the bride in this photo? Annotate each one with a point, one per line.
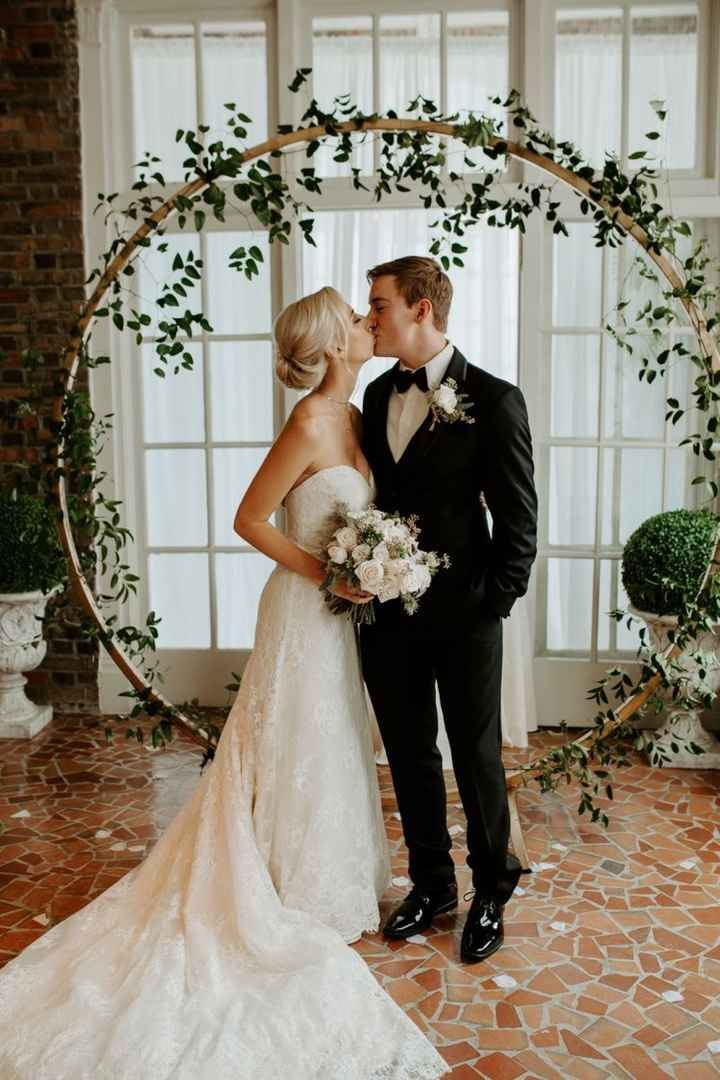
(223, 956)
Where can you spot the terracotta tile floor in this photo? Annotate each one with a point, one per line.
(611, 965)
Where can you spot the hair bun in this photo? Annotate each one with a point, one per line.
(304, 334)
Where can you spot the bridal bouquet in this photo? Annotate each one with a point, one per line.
(378, 553)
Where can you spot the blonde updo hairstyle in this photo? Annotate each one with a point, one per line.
(305, 333)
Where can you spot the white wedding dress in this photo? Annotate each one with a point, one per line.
(222, 956)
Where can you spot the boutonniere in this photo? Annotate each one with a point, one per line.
(448, 405)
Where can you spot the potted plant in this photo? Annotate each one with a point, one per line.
(665, 563)
(32, 568)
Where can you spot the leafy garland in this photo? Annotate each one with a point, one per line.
(412, 156)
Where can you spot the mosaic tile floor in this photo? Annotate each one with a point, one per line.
(611, 965)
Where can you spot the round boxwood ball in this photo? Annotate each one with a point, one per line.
(665, 560)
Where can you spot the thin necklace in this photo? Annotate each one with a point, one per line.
(336, 400)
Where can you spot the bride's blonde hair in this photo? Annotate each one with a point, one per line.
(305, 332)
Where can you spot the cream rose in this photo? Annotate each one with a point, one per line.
(398, 568)
(361, 553)
(370, 574)
(388, 590)
(380, 552)
(337, 554)
(347, 537)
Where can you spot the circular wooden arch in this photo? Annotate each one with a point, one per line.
(71, 364)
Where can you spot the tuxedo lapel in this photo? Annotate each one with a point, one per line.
(428, 433)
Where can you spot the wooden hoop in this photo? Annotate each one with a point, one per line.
(71, 361)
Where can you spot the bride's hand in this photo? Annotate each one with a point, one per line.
(346, 592)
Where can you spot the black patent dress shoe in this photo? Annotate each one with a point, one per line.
(418, 910)
(483, 932)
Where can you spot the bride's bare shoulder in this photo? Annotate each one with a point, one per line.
(310, 411)
(307, 421)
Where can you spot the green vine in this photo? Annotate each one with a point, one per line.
(412, 159)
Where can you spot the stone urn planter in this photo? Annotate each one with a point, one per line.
(684, 726)
(32, 569)
(665, 563)
(22, 648)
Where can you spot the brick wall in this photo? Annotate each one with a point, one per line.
(41, 259)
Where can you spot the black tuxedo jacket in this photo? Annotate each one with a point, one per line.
(440, 476)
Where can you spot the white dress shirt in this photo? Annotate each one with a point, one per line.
(407, 411)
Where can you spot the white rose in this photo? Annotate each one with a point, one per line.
(388, 590)
(360, 553)
(424, 576)
(337, 554)
(380, 552)
(445, 398)
(370, 575)
(347, 537)
(398, 568)
(396, 533)
(417, 580)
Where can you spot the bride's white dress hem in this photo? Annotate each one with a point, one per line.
(223, 956)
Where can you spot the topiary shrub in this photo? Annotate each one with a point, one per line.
(665, 560)
(31, 556)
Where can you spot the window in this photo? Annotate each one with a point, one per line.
(617, 67)
(204, 431)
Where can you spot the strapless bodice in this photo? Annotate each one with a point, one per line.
(312, 506)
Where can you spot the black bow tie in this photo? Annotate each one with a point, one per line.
(405, 379)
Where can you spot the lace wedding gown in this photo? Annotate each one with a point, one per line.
(221, 957)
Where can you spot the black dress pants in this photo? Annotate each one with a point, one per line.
(401, 666)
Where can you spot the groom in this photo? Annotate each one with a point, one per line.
(428, 465)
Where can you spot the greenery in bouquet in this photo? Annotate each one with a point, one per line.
(378, 553)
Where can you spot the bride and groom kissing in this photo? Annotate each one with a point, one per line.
(226, 947)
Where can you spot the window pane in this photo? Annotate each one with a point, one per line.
(173, 409)
(477, 68)
(577, 278)
(588, 80)
(176, 498)
(180, 594)
(632, 491)
(154, 270)
(484, 314)
(233, 469)
(634, 409)
(575, 384)
(343, 64)
(613, 636)
(241, 391)
(409, 60)
(569, 604)
(162, 57)
(682, 468)
(239, 580)
(236, 305)
(573, 480)
(235, 70)
(663, 67)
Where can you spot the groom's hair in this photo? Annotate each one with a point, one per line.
(420, 278)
